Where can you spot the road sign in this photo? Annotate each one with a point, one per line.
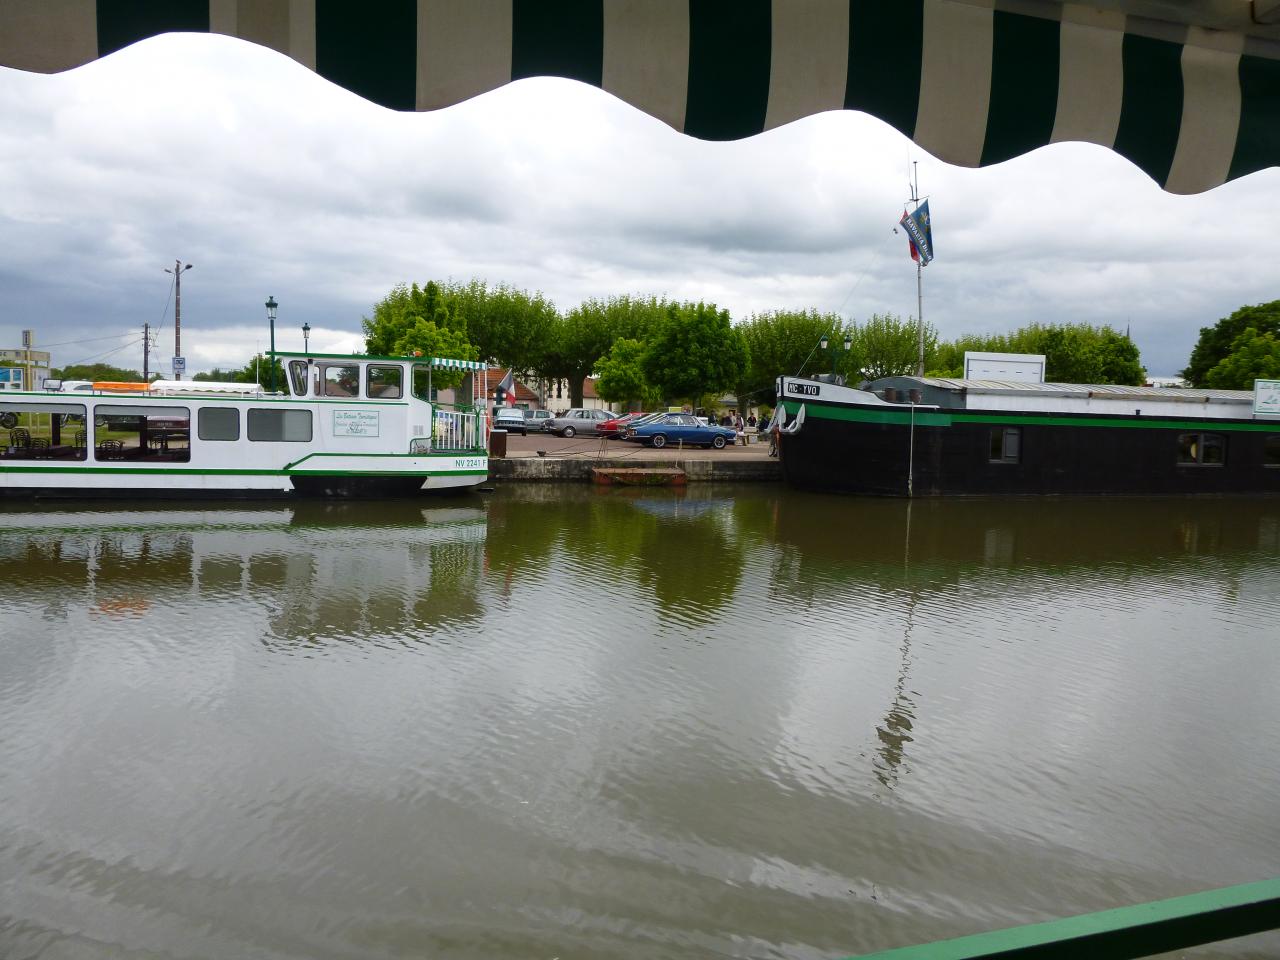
(179, 365)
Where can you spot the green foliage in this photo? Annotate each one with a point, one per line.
(257, 370)
(424, 339)
(508, 327)
(96, 371)
(404, 307)
(622, 376)
(1073, 352)
(1254, 355)
(887, 346)
(778, 343)
(694, 352)
(1218, 341)
(578, 341)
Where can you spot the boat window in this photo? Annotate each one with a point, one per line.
(1006, 445)
(341, 380)
(220, 423)
(421, 380)
(1206, 449)
(384, 382)
(1271, 451)
(293, 426)
(141, 432)
(298, 377)
(42, 431)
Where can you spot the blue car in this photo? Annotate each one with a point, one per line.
(680, 429)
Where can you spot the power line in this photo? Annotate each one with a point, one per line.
(100, 356)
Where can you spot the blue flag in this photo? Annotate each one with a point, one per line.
(920, 232)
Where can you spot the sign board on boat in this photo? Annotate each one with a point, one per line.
(1266, 397)
(1018, 367)
(355, 423)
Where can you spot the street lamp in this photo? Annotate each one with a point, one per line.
(177, 271)
(271, 319)
(827, 347)
(306, 337)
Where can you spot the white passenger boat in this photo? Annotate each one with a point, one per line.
(343, 425)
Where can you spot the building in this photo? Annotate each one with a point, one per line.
(22, 369)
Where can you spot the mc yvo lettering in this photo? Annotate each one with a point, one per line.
(804, 389)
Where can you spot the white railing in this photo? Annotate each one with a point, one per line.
(457, 431)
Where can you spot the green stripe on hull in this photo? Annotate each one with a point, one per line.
(958, 417)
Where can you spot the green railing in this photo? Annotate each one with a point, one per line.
(1120, 934)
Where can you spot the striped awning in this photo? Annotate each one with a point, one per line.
(1189, 90)
(451, 364)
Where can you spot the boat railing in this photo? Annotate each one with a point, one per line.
(1143, 930)
(457, 429)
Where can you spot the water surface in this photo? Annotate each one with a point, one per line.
(561, 722)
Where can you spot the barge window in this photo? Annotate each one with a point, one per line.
(1271, 451)
(298, 377)
(421, 380)
(42, 431)
(141, 432)
(1206, 449)
(219, 423)
(384, 382)
(292, 426)
(341, 380)
(1006, 445)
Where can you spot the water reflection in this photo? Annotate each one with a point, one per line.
(626, 723)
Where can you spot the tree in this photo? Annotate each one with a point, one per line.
(96, 371)
(888, 346)
(1253, 356)
(780, 342)
(402, 308)
(1073, 352)
(257, 370)
(695, 351)
(1218, 341)
(509, 327)
(578, 341)
(424, 339)
(622, 375)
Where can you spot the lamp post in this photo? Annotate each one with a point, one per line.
(829, 348)
(177, 271)
(271, 362)
(306, 338)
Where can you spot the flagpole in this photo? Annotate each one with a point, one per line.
(915, 198)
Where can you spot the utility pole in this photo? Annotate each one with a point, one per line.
(146, 353)
(177, 272)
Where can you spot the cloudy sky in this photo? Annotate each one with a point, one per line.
(272, 181)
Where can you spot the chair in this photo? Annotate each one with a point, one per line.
(20, 438)
(111, 450)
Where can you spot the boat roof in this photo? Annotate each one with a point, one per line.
(447, 362)
(1111, 391)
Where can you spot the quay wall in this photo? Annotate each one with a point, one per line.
(578, 470)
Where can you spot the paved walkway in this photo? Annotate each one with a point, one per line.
(593, 448)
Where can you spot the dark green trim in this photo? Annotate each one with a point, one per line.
(125, 22)
(885, 44)
(1120, 934)
(957, 417)
(1259, 117)
(372, 50)
(730, 51)
(403, 456)
(1151, 113)
(558, 38)
(1024, 85)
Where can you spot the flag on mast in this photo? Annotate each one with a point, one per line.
(508, 388)
(919, 233)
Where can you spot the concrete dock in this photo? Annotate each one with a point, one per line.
(543, 457)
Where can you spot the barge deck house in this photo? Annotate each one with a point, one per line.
(345, 425)
(920, 436)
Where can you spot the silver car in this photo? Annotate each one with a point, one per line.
(579, 420)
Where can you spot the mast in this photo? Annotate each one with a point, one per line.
(915, 198)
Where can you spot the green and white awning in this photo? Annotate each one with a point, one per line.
(1187, 90)
(451, 364)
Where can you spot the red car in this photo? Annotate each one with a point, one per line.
(615, 427)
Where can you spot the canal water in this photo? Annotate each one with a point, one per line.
(564, 722)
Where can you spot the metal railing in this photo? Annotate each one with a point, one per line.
(457, 430)
(1121, 934)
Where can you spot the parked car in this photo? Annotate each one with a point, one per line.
(616, 426)
(681, 429)
(510, 419)
(578, 420)
(536, 420)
